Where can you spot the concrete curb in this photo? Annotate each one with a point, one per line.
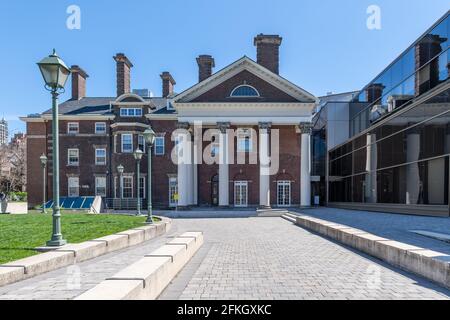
(432, 265)
(148, 277)
(74, 253)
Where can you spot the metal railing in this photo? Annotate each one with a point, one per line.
(124, 204)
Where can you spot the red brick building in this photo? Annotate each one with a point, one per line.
(223, 128)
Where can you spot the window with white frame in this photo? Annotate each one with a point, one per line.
(159, 146)
(100, 128)
(244, 91)
(244, 140)
(100, 186)
(142, 188)
(141, 143)
(131, 112)
(73, 187)
(73, 157)
(127, 187)
(100, 157)
(127, 143)
(73, 128)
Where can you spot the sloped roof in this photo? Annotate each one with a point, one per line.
(98, 105)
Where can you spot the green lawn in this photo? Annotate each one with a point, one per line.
(20, 234)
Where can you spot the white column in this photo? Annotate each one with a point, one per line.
(224, 178)
(305, 160)
(371, 167)
(197, 147)
(264, 166)
(412, 170)
(183, 166)
(190, 174)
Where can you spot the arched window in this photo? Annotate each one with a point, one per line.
(244, 91)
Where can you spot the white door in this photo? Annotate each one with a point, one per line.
(240, 193)
(283, 193)
(73, 187)
(173, 192)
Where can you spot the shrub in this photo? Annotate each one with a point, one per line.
(17, 196)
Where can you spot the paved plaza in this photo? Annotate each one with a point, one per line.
(246, 258)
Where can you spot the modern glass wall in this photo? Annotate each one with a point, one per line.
(420, 68)
(402, 161)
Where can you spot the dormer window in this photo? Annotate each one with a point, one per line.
(244, 91)
(131, 112)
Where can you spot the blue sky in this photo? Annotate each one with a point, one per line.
(326, 44)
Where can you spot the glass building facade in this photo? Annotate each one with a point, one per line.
(399, 146)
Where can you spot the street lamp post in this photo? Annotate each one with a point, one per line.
(120, 170)
(43, 159)
(55, 74)
(138, 157)
(149, 136)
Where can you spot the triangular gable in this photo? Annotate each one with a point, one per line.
(236, 68)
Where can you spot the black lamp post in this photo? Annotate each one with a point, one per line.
(149, 136)
(55, 74)
(138, 157)
(44, 159)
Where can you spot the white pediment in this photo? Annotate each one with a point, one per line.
(249, 65)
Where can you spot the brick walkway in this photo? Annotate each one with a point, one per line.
(270, 258)
(392, 226)
(247, 258)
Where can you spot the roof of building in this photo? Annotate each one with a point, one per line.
(99, 105)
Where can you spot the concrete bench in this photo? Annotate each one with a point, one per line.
(429, 264)
(148, 277)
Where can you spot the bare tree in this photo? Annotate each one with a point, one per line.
(13, 167)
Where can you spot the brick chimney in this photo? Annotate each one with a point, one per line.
(205, 66)
(123, 67)
(79, 77)
(267, 51)
(168, 82)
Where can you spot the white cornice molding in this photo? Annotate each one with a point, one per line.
(31, 119)
(161, 116)
(129, 124)
(79, 117)
(245, 64)
(245, 120)
(266, 105)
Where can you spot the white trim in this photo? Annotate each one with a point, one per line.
(245, 120)
(162, 116)
(238, 66)
(130, 95)
(32, 119)
(244, 85)
(79, 117)
(259, 105)
(129, 124)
